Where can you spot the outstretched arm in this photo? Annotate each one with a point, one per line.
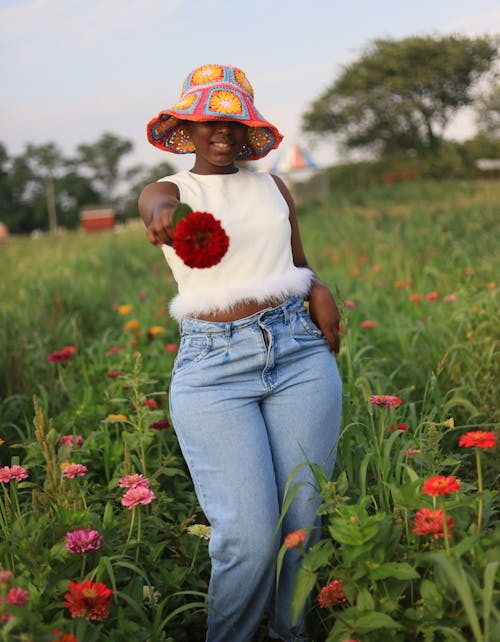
(157, 204)
(322, 307)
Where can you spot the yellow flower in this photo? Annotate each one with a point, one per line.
(65, 465)
(469, 335)
(156, 329)
(491, 285)
(124, 309)
(449, 423)
(199, 530)
(133, 324)
(2, 441)
(116, 418)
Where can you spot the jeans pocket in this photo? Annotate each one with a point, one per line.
(308, 325)
(192, 349)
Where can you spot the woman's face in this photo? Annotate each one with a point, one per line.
(217, 144)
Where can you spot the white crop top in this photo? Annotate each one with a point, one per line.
(258, 265)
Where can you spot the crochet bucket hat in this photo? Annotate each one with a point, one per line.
(213, 92)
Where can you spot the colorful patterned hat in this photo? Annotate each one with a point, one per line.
(213, 92)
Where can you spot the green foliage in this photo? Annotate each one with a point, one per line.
(418, 260)
(400, 95)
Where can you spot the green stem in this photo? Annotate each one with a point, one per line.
(138, 535)
(132, 521)
(445, 531)
(480, 490)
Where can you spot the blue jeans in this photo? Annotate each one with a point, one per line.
(252, 401)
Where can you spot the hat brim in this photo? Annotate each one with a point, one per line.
(168, 133)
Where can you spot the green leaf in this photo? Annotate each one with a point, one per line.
(399, 570)
(433, 600)
(304, 584)
(364, 600)
(373, 621)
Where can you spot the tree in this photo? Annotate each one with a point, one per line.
(102, 159)
(488, 112)
(400, 95)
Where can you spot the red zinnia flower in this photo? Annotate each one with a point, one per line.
(162, 424)
(295, 539)
(390, 401)
(200, 240)
(91, 600)
(332, 594)
(479, 439)
(431, 522)
(440, 485)
(58, 357)
(399, 426)
(63, 637)
(432, 296)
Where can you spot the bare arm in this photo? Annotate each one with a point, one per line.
(157, 204)
(322, 307)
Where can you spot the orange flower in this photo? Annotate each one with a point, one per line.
(116, 418)
(478, 439)
(440, 485)
(402, 285)
(70, 349)
(431, 522)
(133, 324)
(63, 637)
(491, 285)
(432, 296)
(124, 309)
(154, 330)
(367, 324)
(450, 297)
(295, 539)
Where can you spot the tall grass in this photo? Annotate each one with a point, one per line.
(414, 269)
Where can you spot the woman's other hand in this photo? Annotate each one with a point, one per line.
(325, 314)
(157, 205)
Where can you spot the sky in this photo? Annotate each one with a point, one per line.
(74, 69)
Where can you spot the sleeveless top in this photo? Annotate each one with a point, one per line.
(258, 265)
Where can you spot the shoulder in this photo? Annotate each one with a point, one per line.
(285, 192)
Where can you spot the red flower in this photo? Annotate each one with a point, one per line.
(63, 637)
(432, 296)
(162, 424)
(440, 485)
(114, 374)
(59, 357)
(17, 597)
(479, 439)
(91, 600)
(399, 426)
(368, 324)
(431, 522)
(295, 539)
(390, 401)
(332, 594)
(200, 240)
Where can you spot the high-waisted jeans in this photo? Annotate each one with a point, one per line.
(253, 401)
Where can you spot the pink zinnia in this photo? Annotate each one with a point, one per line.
(14, 472)
(137, 495)
(390, 401)
(6, 577)
(70, 471)
(83, 540)
(17, 597)
(133, 481)
(71, 441)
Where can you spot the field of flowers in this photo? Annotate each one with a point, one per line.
(101, 534)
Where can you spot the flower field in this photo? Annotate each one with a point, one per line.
(101, 536)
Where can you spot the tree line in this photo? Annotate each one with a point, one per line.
(41, 188)
(394, 102)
